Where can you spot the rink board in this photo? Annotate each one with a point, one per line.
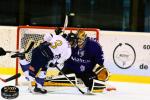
(138, 72)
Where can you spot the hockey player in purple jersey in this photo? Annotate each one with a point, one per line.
(86, 60)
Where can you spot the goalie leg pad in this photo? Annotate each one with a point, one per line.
(60, 80)
(98, 86)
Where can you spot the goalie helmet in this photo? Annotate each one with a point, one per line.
(48, 37)
(81, 37)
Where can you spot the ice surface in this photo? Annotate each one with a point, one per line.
(125, 91)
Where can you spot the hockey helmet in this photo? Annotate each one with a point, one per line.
(58, 30)
(72, 38)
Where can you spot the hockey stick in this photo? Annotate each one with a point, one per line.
(26, 51)
(72, 82)
(29, 48)
(65, 23)
(65, 26)
(11, 78)
(3, 52)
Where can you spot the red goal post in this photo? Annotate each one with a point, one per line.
(26, 34)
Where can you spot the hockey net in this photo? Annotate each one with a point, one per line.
(27, 34)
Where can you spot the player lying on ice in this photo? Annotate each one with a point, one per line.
(86, 60)
(55, 49)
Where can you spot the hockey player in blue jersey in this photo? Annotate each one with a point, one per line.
(87, 59)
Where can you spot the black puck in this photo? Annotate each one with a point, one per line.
(9, 92)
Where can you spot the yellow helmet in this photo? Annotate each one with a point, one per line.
(81, 36)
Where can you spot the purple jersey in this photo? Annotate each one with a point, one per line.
(85, 59)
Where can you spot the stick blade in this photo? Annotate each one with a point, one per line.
(13, 77)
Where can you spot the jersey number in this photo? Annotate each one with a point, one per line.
(57, 43)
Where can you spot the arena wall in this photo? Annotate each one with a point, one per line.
(126, 54)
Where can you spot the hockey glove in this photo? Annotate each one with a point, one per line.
(102, 73)
(51, 65)
(2, 52)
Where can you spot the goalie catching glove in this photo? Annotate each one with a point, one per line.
(2, 52)
(101, 72)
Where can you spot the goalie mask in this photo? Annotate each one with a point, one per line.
(81, 36)
(48, 37)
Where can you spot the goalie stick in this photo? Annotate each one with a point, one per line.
(11, 78)
(72, 82)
